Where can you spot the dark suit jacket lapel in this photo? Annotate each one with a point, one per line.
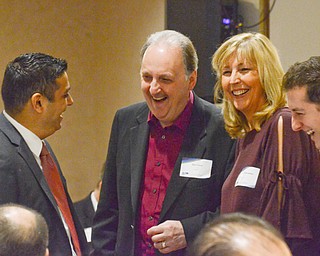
(88, 209)
(25, 152)
(27, 155)
(139, 135)
(85, 211)
(193, 146)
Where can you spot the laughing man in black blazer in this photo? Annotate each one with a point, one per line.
(167, 159)
(35, 92)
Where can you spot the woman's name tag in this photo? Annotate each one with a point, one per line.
(248, 177)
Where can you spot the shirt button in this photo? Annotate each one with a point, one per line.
(158, 164)
(163, 137)
(150, 218)
(154, 191)
(149, 245)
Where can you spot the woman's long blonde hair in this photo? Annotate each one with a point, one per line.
(258, 50)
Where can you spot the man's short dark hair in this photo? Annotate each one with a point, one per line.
(22, 239)
(28, 74)
(305, 74)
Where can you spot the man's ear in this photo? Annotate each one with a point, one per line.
(38, 102)
(193, 79)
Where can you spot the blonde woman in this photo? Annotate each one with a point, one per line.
(249, 75)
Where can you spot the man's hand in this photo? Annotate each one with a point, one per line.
(168, 236)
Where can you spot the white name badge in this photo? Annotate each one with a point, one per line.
(195, 168)
(248, 177)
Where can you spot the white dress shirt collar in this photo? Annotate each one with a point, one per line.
(32, 140)
(94, 201)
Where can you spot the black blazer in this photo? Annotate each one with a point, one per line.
(22, 182)
(192, 201)
(85, 211)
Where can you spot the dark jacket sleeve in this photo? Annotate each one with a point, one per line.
(105, 222)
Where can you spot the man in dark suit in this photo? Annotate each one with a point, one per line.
(35, 92)
(86, 209)
(167, 159)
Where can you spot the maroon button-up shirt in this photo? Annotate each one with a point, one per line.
(163, 150)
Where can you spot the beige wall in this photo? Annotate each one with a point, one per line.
(101, 41)
(295, 30)
(294, 27)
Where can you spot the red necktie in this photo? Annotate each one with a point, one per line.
(52, 176)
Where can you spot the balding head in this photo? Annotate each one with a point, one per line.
(23, 231)
(241, 235)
